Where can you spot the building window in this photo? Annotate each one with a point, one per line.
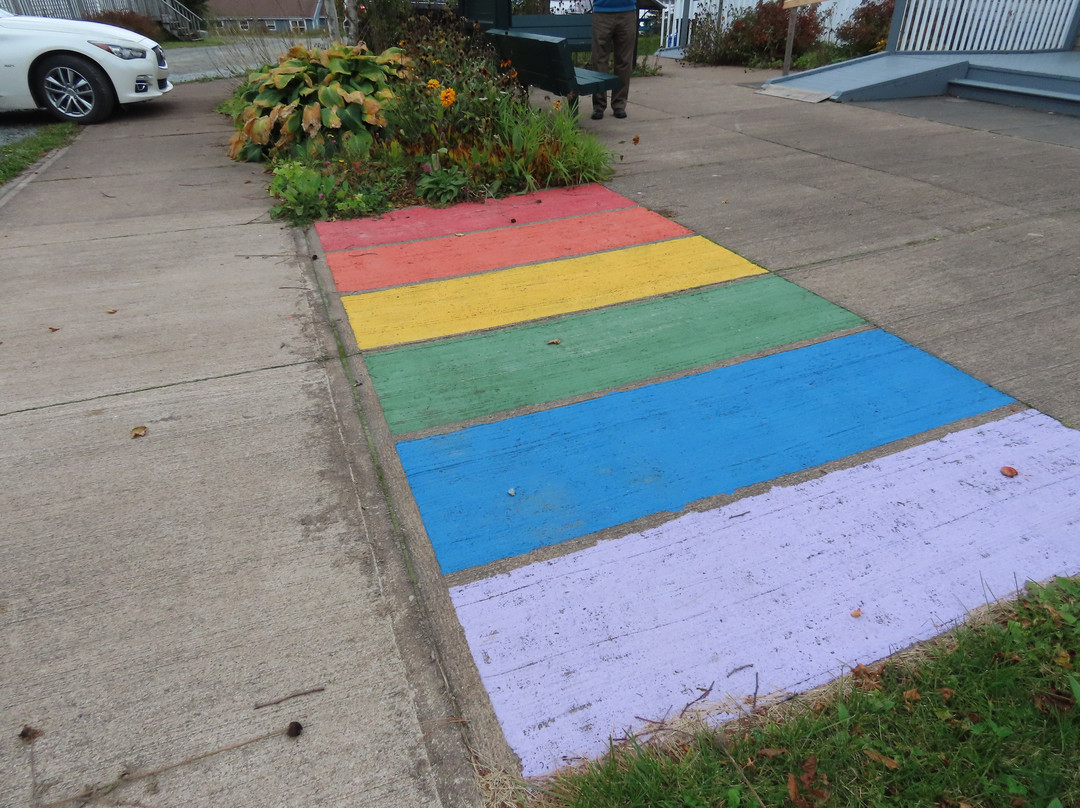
(298, 25)
(245, 25)
(271, 25)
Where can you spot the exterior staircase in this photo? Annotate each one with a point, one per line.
(174, 16)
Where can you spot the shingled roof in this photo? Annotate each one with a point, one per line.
(265, 9)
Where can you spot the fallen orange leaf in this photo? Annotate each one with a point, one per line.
(53, 329)
(857, 613)
(877, 757)
(110, 311)
(1009, 471)
(138, 432)
(636, 140)
(912, 695)
(771, 753)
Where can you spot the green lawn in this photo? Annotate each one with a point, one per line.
(18, 156)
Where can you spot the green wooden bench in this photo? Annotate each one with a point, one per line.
(544, 61)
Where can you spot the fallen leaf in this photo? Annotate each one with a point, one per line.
(857, 613)
(877, 757)
(512, 492)
(792, 789)
(29, 734)
(1009, 471)
(1054, 701)
(946, 693)
(809, 769)
(51, 328)
(110, 311)
(636, 140)
(771, 753)
(867, 677)
(911, 695)
(138, 431)
(1062, 658)
(554, 342)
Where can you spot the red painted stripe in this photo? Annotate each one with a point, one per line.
(415, 261)
(416, 223)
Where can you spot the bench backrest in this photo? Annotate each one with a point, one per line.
(576, 28)
(539, 59)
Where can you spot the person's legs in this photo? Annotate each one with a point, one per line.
(602, 25)
(624, 36)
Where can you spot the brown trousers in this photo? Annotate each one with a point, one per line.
(614, 34)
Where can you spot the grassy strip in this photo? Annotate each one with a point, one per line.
(985, 716)
(18, 156)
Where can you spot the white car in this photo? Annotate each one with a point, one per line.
(78, 71)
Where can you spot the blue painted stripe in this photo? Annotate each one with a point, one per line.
(578, 469)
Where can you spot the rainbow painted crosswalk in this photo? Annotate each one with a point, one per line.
(694, 471)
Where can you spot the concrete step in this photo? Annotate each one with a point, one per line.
(1054, 96)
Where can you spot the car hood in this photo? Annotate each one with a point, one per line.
(91, 30)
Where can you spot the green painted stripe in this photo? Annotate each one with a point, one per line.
(422, 386)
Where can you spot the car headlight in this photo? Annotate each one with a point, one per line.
(123, 51)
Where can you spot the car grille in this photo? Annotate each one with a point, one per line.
(160, 57)
(162, 84)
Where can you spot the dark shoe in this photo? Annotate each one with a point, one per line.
(597, 114)
(620, 113)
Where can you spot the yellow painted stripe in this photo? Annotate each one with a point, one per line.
(492, 299)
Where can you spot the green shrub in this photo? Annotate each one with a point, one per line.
(753, 36)
(379, 22)
(438, 119)
(867, 30)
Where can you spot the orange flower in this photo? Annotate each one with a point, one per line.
(448, 97)
(558, 105)
(433, 84)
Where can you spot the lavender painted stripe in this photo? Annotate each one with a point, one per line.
(571, 650)
(578, 469)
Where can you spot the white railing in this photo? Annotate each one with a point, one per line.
(676, 14)
(173, 15)
(986, 25)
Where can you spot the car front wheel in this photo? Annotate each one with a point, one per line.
(74, 89)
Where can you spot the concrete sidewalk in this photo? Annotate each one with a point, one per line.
(961, 234)
(158, 591)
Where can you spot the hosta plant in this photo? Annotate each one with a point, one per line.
(312, 93)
